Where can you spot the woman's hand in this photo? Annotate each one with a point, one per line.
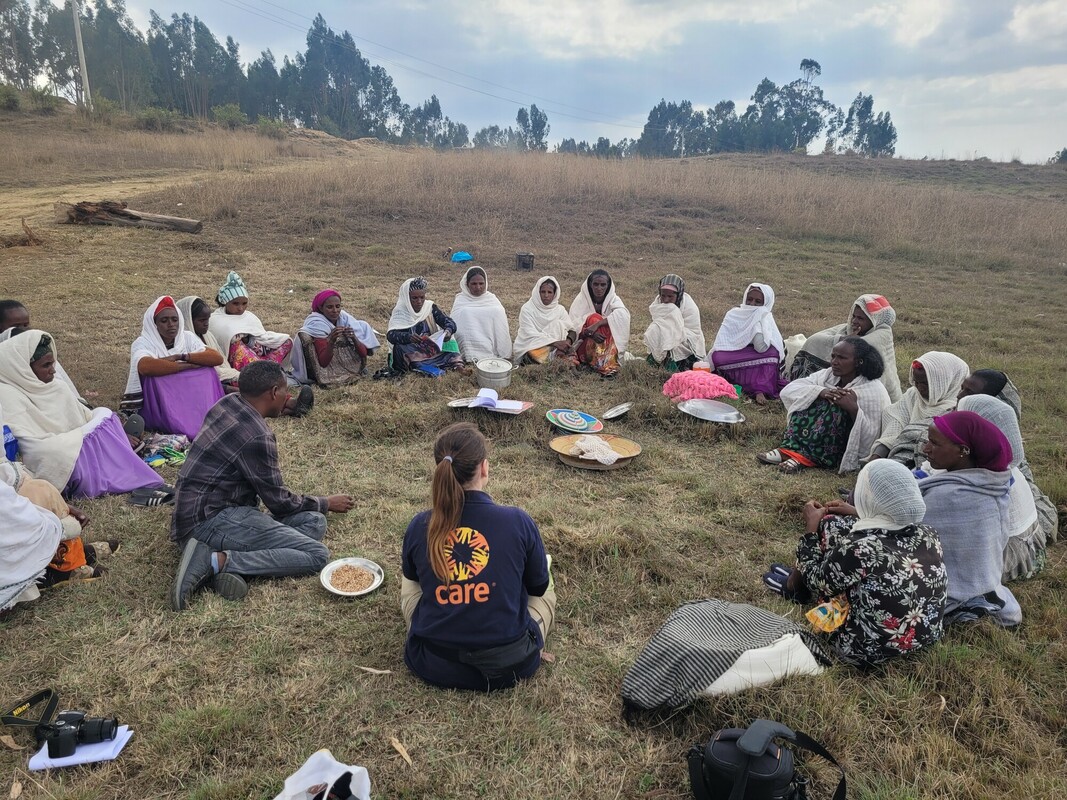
(562, 346)
(848, 401)
(841, 509)
(448, 335)
(813, 513)
(335, 334)
(175, 358)
(80, 516)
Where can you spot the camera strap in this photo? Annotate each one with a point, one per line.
(16, 716)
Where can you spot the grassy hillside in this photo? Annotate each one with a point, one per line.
(229, 699)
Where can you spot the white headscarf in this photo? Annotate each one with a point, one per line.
(945, 373)
(740, 325)
(887, 497)
(47, 418)
(150, 344)
(481, 322)
(612, 309)
(541, 325)
(61, 374)
(404, 316)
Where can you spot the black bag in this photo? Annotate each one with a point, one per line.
(746, 764)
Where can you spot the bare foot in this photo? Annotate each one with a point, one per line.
(761, 399)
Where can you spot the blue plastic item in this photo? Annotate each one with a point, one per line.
(11, 444)
(461, 256)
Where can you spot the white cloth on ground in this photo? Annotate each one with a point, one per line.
(46, 418)
(481, 322)
(540, 325)
(612, 309)
(150, 344)
(871, 399)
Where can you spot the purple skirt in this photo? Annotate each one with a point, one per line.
(178, 403)
(108, 465)
(753, 371)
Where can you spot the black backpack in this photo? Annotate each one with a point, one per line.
(746, 764)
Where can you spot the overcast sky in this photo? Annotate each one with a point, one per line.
(961, 78)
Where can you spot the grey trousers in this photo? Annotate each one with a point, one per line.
(257, 544)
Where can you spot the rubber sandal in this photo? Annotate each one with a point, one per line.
(152, 497)
(94, 551)
(772, 457)
(790, 466)
(304, 402)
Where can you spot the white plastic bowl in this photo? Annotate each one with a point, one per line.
(366, 563)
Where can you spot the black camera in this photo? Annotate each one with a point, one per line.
(72, 728)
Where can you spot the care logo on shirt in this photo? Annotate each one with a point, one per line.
(466, 553)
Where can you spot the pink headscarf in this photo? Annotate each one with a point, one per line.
(989, 447)
(322, 297)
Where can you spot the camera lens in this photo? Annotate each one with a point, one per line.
(97, 729)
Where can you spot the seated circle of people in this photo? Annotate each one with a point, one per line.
(196, 314)
(172, 381)
(412, 328)
(230, 468)
(748, 349)
(603, 324)
(545, 332)
(1032, 517)
(674, 338)
(82, 452)
(872, 318)
(476, 592)
(15, 319)
(481, 322)
(332, 345)
(876, 569)
(935, 380)
(968, 504)
(835, 414)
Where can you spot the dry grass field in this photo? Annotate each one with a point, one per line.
(228, 699)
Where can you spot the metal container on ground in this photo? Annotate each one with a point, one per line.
(524, 260)
(493, 373)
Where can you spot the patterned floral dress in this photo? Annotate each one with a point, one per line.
(895, 583)
(817, 436)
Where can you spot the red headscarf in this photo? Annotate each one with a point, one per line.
(165, 303)
(989, 447)
(322, 297)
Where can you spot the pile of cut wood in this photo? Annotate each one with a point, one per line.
(112, 212)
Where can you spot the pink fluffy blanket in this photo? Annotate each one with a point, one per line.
(697, 384)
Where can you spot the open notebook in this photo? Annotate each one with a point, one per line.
(490, 400)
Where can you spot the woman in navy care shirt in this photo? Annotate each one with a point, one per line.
(476, 591)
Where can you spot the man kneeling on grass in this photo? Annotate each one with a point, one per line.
(231, 466)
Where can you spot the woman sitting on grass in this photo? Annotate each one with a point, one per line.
(875, 564)
(675, 339)
(545, 332)
(15, 319)
(340, 343)
(481, 322)
(994, 383)
(172, 382)
(1032, 518)
(82, 452)
(834, 415)
(748, 348)
(872, 318)
(196, 314)
(935, 381)
(968, 504)
(413, 323)
(476, 592)
(603, 324)
(240, 332)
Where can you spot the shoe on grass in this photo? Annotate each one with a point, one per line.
(229, 586)
(194, 573)
(304, 401)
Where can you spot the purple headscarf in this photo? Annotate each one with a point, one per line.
(989, 447)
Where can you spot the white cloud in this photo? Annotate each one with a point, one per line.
(910, 21)
(1035, 22)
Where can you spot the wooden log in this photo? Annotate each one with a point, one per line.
(110, 212)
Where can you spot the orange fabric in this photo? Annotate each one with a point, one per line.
(804, 461)
(69, 556)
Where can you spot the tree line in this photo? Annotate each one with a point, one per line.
(181, 66)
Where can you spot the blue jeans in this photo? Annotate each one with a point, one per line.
(257, 544)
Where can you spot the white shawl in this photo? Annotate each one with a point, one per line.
(47, 418)
(29, 541)
(150, 344)
(225, 371)
(541, 325)
(404, 316)
(227, 326)
(675, 330)
(904, 423)
(871, 398)
(741, 325)
(481, 323)
(61, 374)
(614, 311)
